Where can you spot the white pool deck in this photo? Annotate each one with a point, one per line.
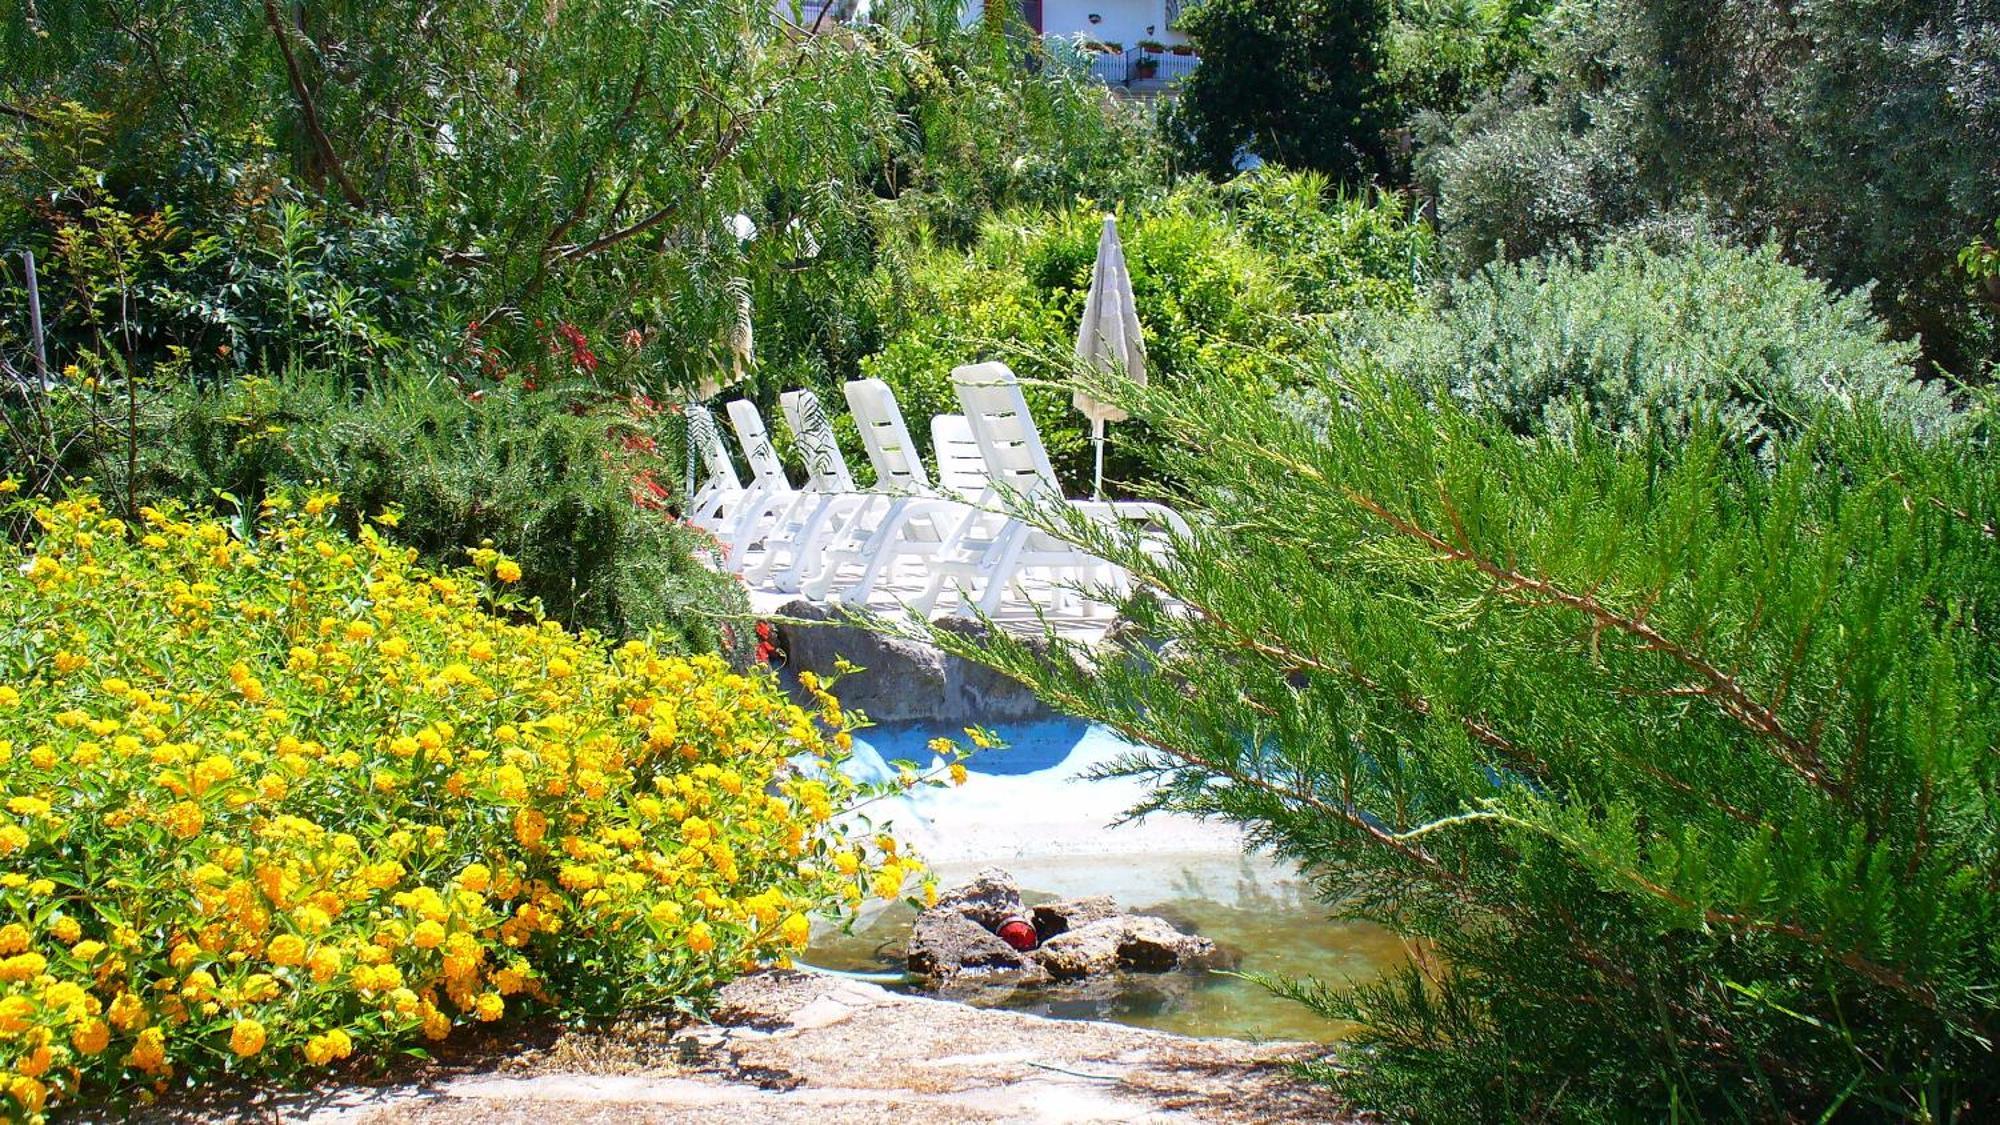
(1015, 614)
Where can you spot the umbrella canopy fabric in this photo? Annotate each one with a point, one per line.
(1108, 339)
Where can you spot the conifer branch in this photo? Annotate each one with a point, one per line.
(1718, 686)
(1291, 658)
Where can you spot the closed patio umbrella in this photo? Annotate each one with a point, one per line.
(1108, 339)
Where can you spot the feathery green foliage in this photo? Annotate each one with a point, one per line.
(1676, 767)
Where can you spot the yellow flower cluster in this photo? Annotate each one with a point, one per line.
(266, 803)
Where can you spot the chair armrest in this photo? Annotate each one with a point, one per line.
(1134, 510)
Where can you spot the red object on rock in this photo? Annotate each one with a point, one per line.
(1019, 933)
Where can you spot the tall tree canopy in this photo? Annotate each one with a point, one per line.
(1287, 81)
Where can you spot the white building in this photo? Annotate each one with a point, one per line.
(1125, 22)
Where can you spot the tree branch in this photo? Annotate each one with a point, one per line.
(309, 112)
(23, 113)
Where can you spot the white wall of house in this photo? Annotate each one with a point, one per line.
(1118, 21)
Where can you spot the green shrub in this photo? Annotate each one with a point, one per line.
(1634, 340)
(1865, 138)
(1291, 82)
(1018, 296)
(545, 476)
(1673, 765)
(1339, 252)
(1438, 56)
(1268, 261)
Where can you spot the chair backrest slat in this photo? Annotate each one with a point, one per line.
(708, 444)
(899, 466)
(961, 467)
(817, 445)
(998, 413)
(756, 442)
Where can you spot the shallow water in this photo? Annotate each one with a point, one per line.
(1243, 903)
(1030, 810)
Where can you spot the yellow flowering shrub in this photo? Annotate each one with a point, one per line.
(267, 803)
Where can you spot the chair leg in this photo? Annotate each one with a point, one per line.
(810, 546)
(1000, 567)
(880, 552)
(753, 523)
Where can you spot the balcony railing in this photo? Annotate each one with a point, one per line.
(1136, 66)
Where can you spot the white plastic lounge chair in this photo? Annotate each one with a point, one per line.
(904, 519)
(961, 467)
(714, 506)
(792, 548)
(992, 559)
(770, 493)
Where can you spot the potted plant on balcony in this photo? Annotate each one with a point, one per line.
(1152, 46)
(1181, 49)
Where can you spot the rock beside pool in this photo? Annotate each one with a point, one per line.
(901, 680)
(990, 899)
(1076, 939)
(1124, 943)
(945, 943)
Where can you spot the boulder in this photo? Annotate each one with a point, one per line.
(902, 680)
(944, 943)
(990, 899)
(1125, 943)
(1052, 918)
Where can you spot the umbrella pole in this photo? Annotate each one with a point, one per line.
(1097, 438)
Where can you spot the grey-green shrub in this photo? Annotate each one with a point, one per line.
(1865, 137)
(1636, 339)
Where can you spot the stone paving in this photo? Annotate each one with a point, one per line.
(791, 1047)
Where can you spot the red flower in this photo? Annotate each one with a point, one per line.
(579, 346)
